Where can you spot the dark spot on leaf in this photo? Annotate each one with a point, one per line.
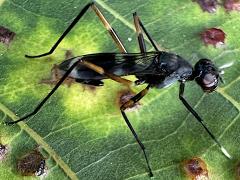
(207, 5)
(69, 54)
(3, 151)
(32, 164)
(56, 76)
(6, 36)
(238, 171)
(88, 87)
(123, 96)
(231, 5)
(196, 169)
(213, 36)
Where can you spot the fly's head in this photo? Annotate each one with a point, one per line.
(206, 74)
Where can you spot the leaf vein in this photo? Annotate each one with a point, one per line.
(229, 98)
(156, 170)
(222, 134)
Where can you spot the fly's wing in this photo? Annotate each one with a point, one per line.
(125, 64)
(121, 64)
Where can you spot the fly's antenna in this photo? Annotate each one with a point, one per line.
(224, 66)
(221, 70)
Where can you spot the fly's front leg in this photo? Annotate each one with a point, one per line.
(111, 31)
(200, 120)
(128, 104)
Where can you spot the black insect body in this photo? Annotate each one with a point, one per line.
(157, 69)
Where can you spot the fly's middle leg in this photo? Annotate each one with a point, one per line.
(129, 103)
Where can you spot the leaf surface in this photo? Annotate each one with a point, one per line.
(82, 131)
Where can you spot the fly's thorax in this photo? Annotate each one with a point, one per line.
(206, 75)
(170, 69)
(167, 62)
(175, 66)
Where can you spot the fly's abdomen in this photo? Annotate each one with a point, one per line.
(118, 64)
(80, 72)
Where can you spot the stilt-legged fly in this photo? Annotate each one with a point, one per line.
(157, 69)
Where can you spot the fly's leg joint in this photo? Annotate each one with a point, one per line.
(126, 105)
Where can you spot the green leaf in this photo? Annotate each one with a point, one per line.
(82, 131)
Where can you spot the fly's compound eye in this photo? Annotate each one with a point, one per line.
(206, 75)
(208, 82)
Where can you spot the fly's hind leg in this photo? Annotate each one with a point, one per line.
(64, 77)
(103, 72)
(111, 31)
